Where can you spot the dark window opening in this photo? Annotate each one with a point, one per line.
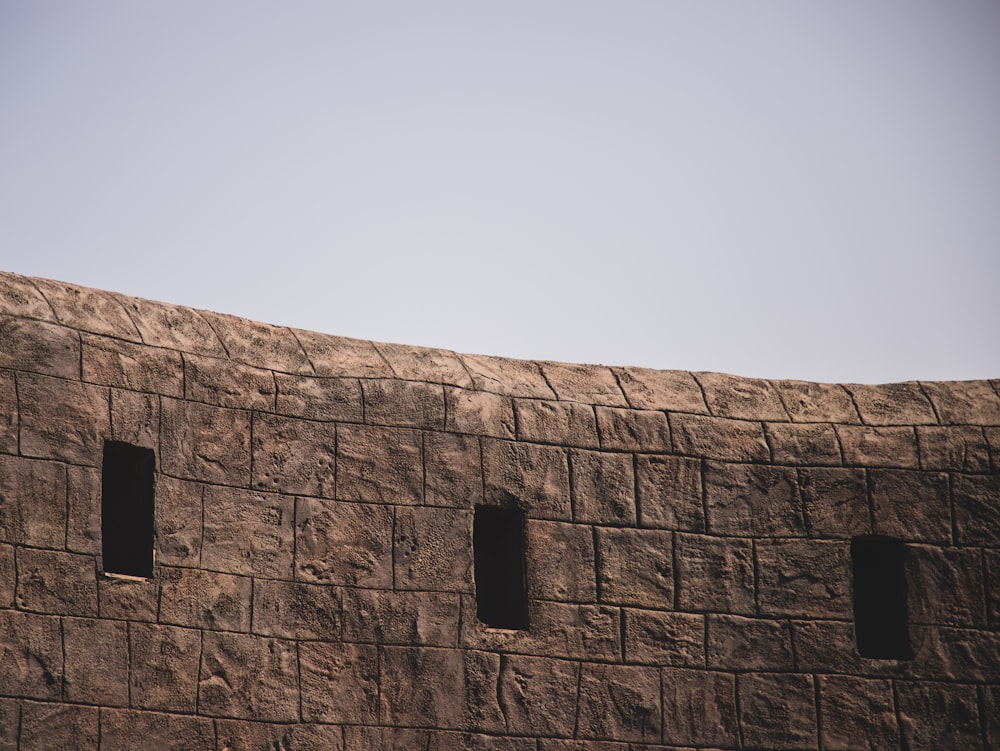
(880, 619)
(127, 509)
(498, 542)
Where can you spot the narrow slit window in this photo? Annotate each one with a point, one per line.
(127, 509)
(498, 542)
(881, 624)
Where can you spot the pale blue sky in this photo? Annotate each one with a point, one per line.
(779, 189)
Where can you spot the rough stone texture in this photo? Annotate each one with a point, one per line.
(225, 383)
(878, 447)
(478, 413)
(911, 505)
(938, 715)
(325, 399)
(816, 402)
(248, 533)
(589, 384)
(945, 586)
(714, 574)
(892, 404)
(294, 456)
(719, 438)
(49, 581)
(202, 442)
(603, 487)
(8, 576)
(964, 402)
(415, 363)
(738, 643)
(669, 493)
(535, 478)
(502, 375)
(63, 420)
(555, 422)
(173, 327)
(619, 702)
(953, 447)
(342, 357)
(248, 677)
(803, 444)
(777, 711)
(202, 599)
(744, 398)
(87, 309)
(857, 710)
(404, 403)
(560, 562)
(428, 619)
(675, 390)
(96, 653)
(36, 347)
(31, 656)
(293, 610)
(432, 549)
(453, 470)
(123, 730)
(633, 430)
(258, 343)
(537, 695)
(340, 682)
(752, 500)
(977, 513)
(659, 638)
(135, 418)
(344, 543)
(835, 502)
(804, 578)
(126, 365)
(57, 726)
(379, 465)
(699, 708)
(164, 667)
(635, 567)
(179, 515)
(254, 736)
(32, 502)
(8, 413)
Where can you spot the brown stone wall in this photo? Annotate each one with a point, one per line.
(688, 546)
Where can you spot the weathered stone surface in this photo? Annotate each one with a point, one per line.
(835, 502)
(977, 513)
(63, 420)
(453, 470)
(443, 740)
(19, 296)
(248, 676)
(892, 404)
(127, 365)
(340, 682)
(938, 715)
(403, 618)
(50, 581)
(992, 713)
(535, 478)
(202, 442)
(857, 713)
(344, 543)
(964, 402)
(674, 390)
(205, 599)
(83, 533)
(960, 447)
(10, 710)
(557, 744)
(633, 430)
(324, 399)
(752, 500)
(807, 578)
(8, 576)
(565, 423)
(777, 711)
(738, 643)
(240, 735)
(379, 465)
(478, 413)
(32, 502)
(224, 383)
(502, 375)
(560, 562)
(87, 309)
(125, 730)
(39, 347)
(342, 357)
(425, 364)
(272, 347)
(411, 404)
(714, 574)
(590, 384)
(31, 656)
(173, 327)
(603, 487)
(135, 418)
(955, 654)
(669, 493)
(816, 402)
(945, 586)
(58, 726)
(8, 413)
(164, 667)
(294, 610)
(619, 702)
(537, 695)
(248, 533)
(699, 708)
(635, 567)
(742, 398)
(911, 505)
(96, 653)
(433, 549)
(992, 585)
(831, 647)
(718, 438)
(128, 599)
(803, 443)
(660, 638)
(864, 446)
(294, 456)
(179, 514)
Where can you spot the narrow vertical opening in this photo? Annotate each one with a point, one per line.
(127, 509)
(501, 593)
(881, 625)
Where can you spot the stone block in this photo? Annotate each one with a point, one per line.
(136, 367)
(8, 576)
(87, 309)
(590, 384)
(478, 413)
(892, 404)
(340, 682)
(911, 505)
(31, 655)
(961, 448)
(669, 493)
(864, 446)
(993, 441)
(945, 586)
(128, 599)
(127, 730)
(805, 578)
(8, 413)
(84, 528)
(635, 567)
(271, 347)
(58, 726)
(938, 715)
(179, 515)
(135, 418)
(831, 647)
(32, 502)
(964, 402)
(533, 478)
(835, 502)
(428, 619)
(620, 702)
(164, 667)
(205, 599)
(955, 654)
(294, 610)
(559, 744)
(991, 711)
(342, 357)
(444, 740)
(857, 713)
(50, 581)
(603, 487)
(379, 465)
(777, 711)
(502, 375)
(699, 708)
(718, 438)
(249, 677)
(224, 383)
(816, 402)
(753, 500)
(20, 297)
(10, 709)
(294, 456)
(562, 423)
(737, 643)
(240, 735)
(63, 420)
(800, 444)
(714, 574)
(96, 654)
(202, 442)
(741, 398)
(323, 399)
(344, 543)
(453, 470)
(560, 562)
(977, 513)
(433, 549)
(674, 390)
(537, 695)
(407, 404)
(633, 429)
(662, 638)
(992, 584)
(425, 364)
(248, 533)
(173, 327)
(39, 347)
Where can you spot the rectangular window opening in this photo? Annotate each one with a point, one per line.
(881, 623)
(498, 544)
(127, 509)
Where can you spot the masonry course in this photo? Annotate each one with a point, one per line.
(687, 546)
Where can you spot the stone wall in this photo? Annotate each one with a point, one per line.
(687, 546)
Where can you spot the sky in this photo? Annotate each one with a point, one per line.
(771, 189)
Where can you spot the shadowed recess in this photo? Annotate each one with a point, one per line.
(498, 539)
(880, 617)
(127, 509)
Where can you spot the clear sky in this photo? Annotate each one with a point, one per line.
(778, 189)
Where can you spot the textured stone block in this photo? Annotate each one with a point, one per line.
(675, 390)
(558, 744)
(560, 562)
(478, 413)
(19, 296)
(224, 383)
(453, 470)
(537, 695)
(324, 399)
(425, 364)
(589, 384)
(84, 528)
(272, 347)
(962, 448)
(443, 740)
(806, 578)
(87, 309)
(816, 402)
(503, 375)
(635, 567)
(718, 438)
(669, 491)
(248, 676)
(8, 413)
(164, 667)
(433, 549)
(835, 502)
(58, 726)
(126, 365)
(379, 465)
(699, 708)
(964, 402)
(248, 533)
(831, 647)
(178, 537)
(294, 456)
(564, 423)
(403, 618)
(938, 715)
(135, 418)
(603, 487)
(293, 610)
(742, 398)
(240, 735)
(633, 430)
(803, 444)
(752, 500)
(173, 327)
(342, 357)
(124, 730)
(714, 574)
(409, 404)
(63, 420)
(660, 638)
(201, 442)
(8, 576)
(31, 655)
(39, 348)
(344, 543)
(945, 586)
(892, 404)
(864, 446)
(777, 711)
(955, 654)
(534, 478)
(128, 599)
(738, 643)
(49, 581)
(977, 513)
(857, 713)
(911, 505)
(340, 682)
(32, 502)
(96, 653)
(205, 599)
(10, 709)
(619, 702)
(992, 584)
